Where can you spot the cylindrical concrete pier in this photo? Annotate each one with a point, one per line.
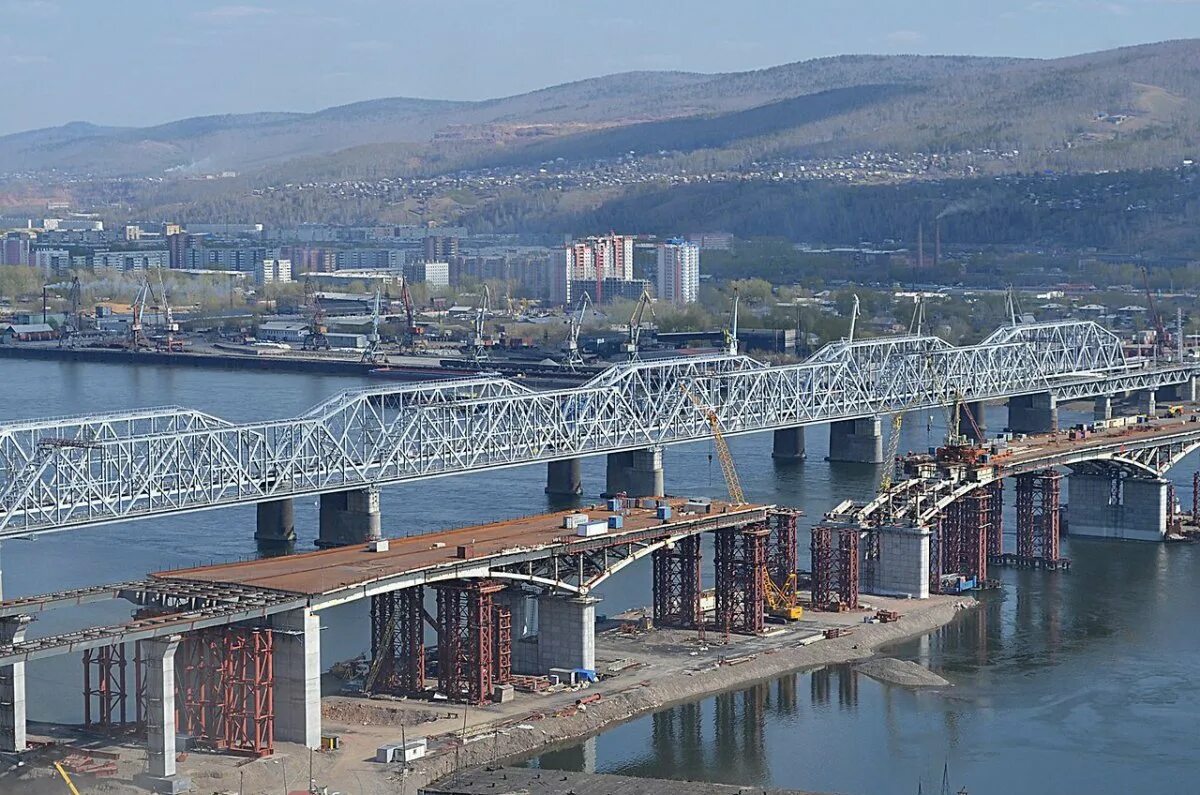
(276, 524)
(856, 441)
(788, 445)
(565, 478)
(349, 517)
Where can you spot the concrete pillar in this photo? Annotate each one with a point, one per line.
(276, 524)
(646, 473)
(12, 688)
(1135, 509)
(349, 517)
(789, 445)
(159, 654)
(1033, 413)
(856, 441)
(616, 473)
(566, 632)
(524, 609)
(565, 478)
(902, 568)
(298, 677)
(1103, 409)
(1147, 402)
(965, 426)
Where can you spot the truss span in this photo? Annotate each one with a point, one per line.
(72, 472)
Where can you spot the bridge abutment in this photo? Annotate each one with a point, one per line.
(566, 632)
(856, 441)
(349, 517)
(159, 656)
(276, 523)
(564, 478)
(1033, 413)
(298, 677)
(12, 688)
(788, 445)
(1108, 506)
(635, 473)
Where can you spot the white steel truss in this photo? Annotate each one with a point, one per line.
(70, 472)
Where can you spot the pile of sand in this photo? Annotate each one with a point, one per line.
(900, 672)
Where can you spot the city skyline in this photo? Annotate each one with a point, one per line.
(151, 63)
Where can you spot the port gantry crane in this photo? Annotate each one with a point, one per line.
(731, 333)
(479, 352)
(373, 353)
(635, 325)
(574, 357)
(317, 338)
(137, 335)
(170, 328)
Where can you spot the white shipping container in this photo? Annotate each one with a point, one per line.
(592, 529)
(573, 520)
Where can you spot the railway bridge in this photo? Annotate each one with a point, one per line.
(63, 473)
(940, 525)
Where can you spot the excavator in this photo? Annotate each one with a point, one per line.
(782, 599)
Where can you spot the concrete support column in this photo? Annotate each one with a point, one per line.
(902, 568)
(298, 677)
(1033, 413)
(616, 473)
(524, 609)
(566, 632)
(977, 417)
(1148, 402)
(159, 654)
(349, 517)
(276, 524)
(789, 445)
(1102, 506)
(12, 688)
(856, 441)
(646, 473)
(565, 478)
(1103, 409)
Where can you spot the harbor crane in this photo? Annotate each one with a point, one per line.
(574, 357)
(73, 324)
(137, 335)
(635, 325)
(317, 338)
(731, 333)
(408, 340)
(373, 353)
(170, 328)
(479, 352)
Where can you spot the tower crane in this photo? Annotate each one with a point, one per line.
(635, 325)
(574, 358)
(732, 482)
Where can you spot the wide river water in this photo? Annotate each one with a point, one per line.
(1087, 681)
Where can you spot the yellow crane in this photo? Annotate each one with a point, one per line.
(66, 778)
(732, 482)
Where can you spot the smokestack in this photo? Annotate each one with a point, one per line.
(920, 246)
(937, 242)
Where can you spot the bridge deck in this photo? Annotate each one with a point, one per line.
(538, 536)
(1045, 448)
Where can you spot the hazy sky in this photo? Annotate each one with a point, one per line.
(148, 61)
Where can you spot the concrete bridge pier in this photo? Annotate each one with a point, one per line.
(1103, 409)
(856, 441)
(977, 420)
(298, 677)
(635, 473)
(788, 445)
(276, 525)
(349, 517)
(902, 568)
(1109, 506)
(1033, 413)
(565, 478)
(566, 632)
(523, 607)
(1148, 402)
(12, 688)
(161, 776)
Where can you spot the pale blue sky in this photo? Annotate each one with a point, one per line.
(148, 61)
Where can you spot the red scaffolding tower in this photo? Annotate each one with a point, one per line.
(1038, 520)
(398, 641)
(781, 546)
(740, 563)
(676, 572)
(104, 695)
(466, 632)
(835, 568)
(225, 686)
(995, 521)
(963, 536)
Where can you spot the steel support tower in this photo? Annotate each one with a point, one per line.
(466, 632)
(740, 562)
(677, 584)
(398, 641)
(1038, 519)
(781, 546)
(835, 568)
(104, 694)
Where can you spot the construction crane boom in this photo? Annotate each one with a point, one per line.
(1161, 339)
(635, 325)
(574, 358)
(732, 482)
(479, 351)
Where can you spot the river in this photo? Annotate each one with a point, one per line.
(1079, 681)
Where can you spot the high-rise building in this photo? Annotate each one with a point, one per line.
(439, 248)
(177, 245)
(595, 259)
(18, 249)
(273, 270)
(678, 271)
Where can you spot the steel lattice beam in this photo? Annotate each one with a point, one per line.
(72, 472)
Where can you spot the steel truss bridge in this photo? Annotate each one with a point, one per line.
(62, 473)
(918, 500)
